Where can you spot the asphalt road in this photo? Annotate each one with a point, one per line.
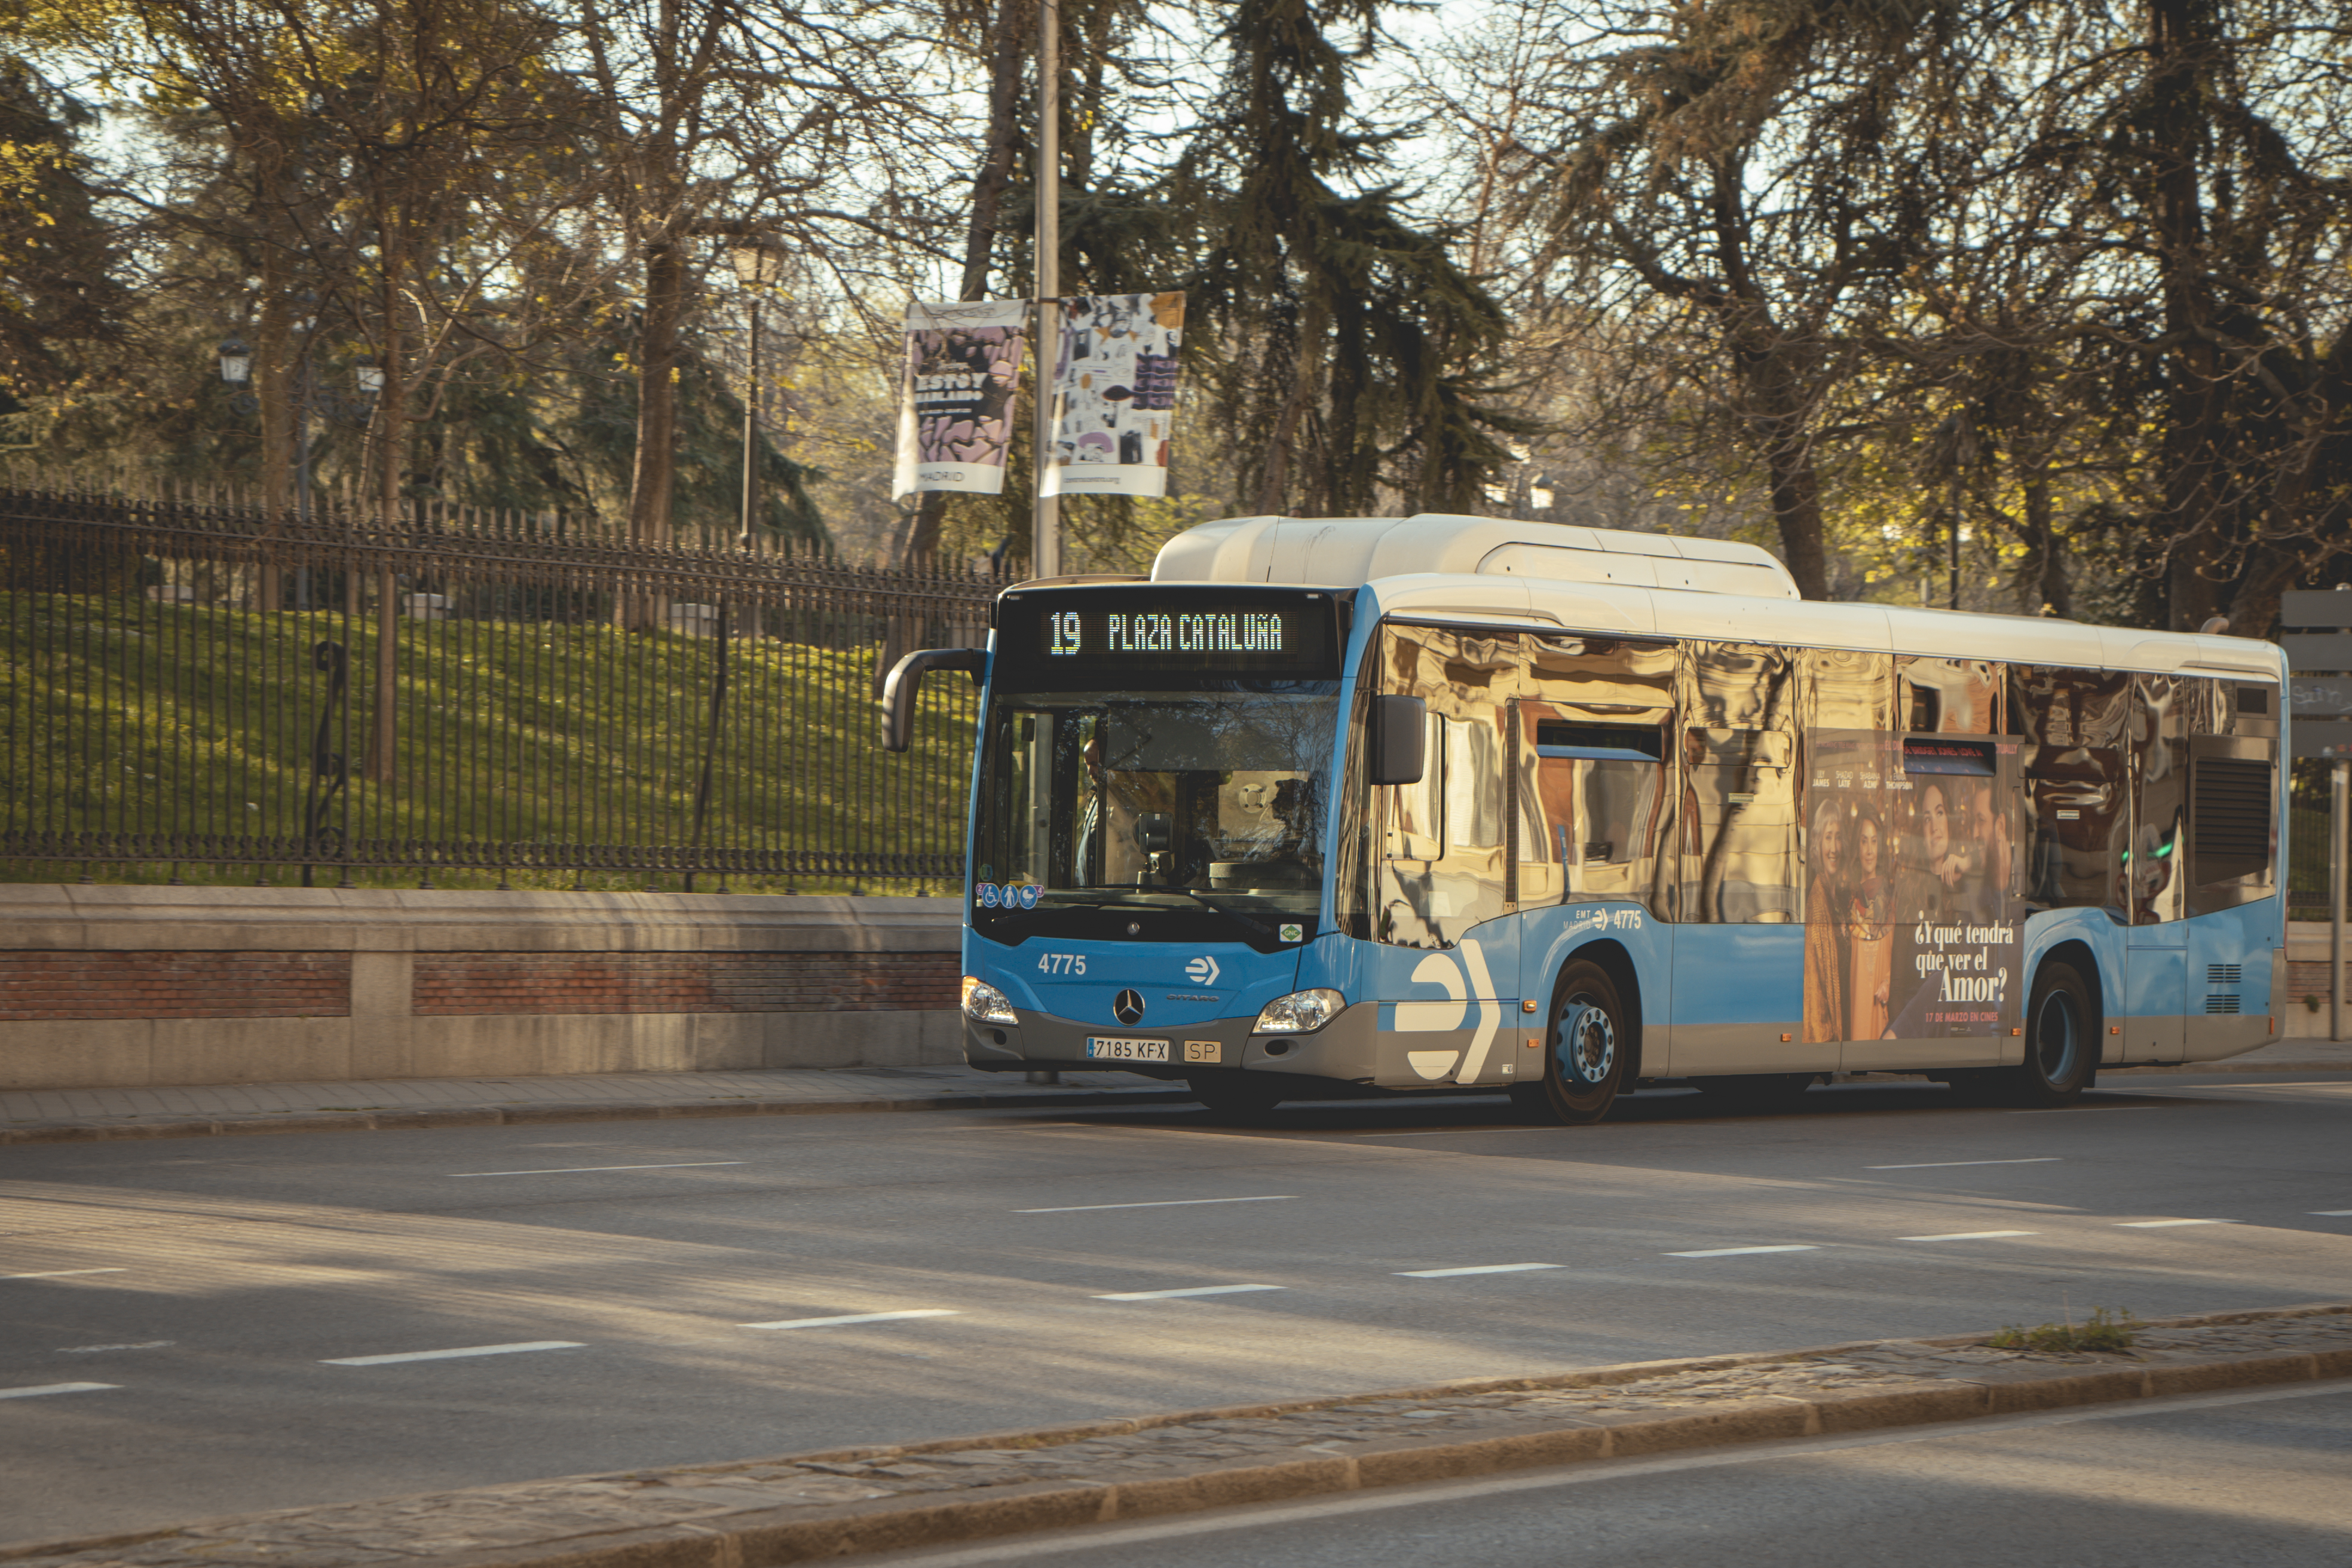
(215, 1326)
(2254, 1479)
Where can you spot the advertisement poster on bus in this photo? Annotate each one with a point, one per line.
(956, 395)
(1912, 908)
(1114, 388)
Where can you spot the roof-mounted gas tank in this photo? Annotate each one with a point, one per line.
(1348, 552)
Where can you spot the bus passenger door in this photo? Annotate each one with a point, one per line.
(2156, 875)
(1739, 947)
(1448, 967)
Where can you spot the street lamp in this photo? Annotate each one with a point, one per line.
(758, 263)
(310, 398)
(235, 362)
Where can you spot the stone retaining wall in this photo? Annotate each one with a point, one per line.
(107, 987)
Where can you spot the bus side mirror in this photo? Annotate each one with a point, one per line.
(906, 678)
(1395, 741)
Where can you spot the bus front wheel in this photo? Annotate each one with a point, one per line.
(1588, 1045)
(2061, 1041)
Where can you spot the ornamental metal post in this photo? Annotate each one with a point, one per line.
(1046, 546)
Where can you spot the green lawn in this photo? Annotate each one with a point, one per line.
(128, 718)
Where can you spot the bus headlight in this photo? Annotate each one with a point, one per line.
(984, 1004)
(1301, 1012)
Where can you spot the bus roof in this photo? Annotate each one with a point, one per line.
(1348, 551)
(1445, 567)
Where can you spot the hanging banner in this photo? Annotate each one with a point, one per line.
(1115, 394)
(955, 398)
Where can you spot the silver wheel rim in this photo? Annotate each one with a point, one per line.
(2057, 1039)
(1587, 1045)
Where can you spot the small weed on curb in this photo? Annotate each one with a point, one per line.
(2105, 1331)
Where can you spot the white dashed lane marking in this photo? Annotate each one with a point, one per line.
(1946, 1164)
(1739, 1251)
(855, 1318)
(583, 1169)
(2167, 1224)
(37, 1390)
(454, 1354)
(2331, 1213)
(1189, 1291)
(1481, 1268)
(1162, 1204)
(1968, 1235)
(62, 1273)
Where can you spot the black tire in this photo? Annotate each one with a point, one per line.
(1236, 1099)
(1580, 1088)
(2062, 1040)
(1759, 1090)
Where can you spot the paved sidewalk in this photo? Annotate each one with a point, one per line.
(50, 1115)
(806, 1507)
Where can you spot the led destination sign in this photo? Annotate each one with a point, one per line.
(1148, 629)
(1161, 631)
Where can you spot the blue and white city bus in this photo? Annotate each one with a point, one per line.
(1363, 805)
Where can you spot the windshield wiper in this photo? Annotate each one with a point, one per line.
(1247, 921)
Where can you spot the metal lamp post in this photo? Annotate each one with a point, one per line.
(236, 370)
(758, 263)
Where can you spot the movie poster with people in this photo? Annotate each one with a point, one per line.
(1114, 388)
(956, 395)
(1913, 914)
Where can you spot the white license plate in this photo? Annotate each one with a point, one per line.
(1101, 1049)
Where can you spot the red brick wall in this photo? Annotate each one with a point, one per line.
(683, 982)
(2305, 979)
(66, 985)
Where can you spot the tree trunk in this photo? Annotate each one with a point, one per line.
(271, 364)
(394, 412)
(1009, 63)
(1797, 507)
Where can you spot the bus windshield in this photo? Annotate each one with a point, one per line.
(1165, 799)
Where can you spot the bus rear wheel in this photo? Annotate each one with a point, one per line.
(1585, 1059)
(1234, 1099)
(2062, 1042)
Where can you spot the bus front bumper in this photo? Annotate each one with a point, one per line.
(1345, 1049)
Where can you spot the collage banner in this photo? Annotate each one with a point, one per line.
(956, 395)
(1114, 389)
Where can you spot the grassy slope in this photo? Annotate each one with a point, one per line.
(130, 716)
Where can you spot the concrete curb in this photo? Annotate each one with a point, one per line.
(774, 1537)
(260, 1122)
(533, 1115)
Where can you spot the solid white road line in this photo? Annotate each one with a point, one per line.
(1193, 1290)
(62, 1273)
(1162, 1204)
(452, 1355)
(35, 1390)
(1945, 1164)
(1481, 1268)
(854, 1318)
(1102, 1540)
(581, 1170)
(2078, 1109)
(1968, 1235)
(2167, 1224)
(93, 1350)
(1739, 1251)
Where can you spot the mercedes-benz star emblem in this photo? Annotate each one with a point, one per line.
(1128, 1007)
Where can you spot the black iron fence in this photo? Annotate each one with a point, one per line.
(195, 689)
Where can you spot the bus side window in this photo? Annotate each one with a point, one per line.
(2232, 794)
(2074, 725)
(1594, 731)
(1739, 827)
(1949, 696)
(1442, 868)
